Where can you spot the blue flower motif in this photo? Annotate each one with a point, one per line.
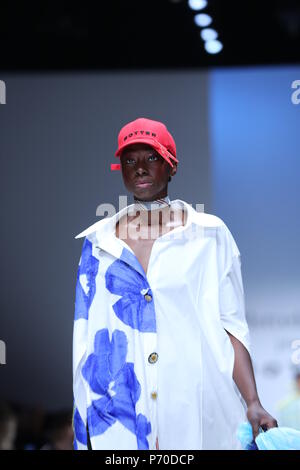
(109, 375)
(88, 267)
(123, 277)
(79, 429)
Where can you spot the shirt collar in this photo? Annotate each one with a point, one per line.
(105, 226)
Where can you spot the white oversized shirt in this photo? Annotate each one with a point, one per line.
(151, 356)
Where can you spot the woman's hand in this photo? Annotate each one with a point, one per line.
(258, 416)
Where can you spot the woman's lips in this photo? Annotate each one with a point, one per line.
(143, 185)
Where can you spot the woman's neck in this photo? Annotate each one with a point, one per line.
(158, 203)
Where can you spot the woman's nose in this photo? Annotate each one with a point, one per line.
(141, 170)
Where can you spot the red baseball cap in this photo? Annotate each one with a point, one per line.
(150, 132)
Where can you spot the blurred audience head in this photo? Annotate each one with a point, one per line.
(8, 427)
(59, 431)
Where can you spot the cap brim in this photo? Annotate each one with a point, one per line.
(153, 143)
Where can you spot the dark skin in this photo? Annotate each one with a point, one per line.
(243, 376)
(142, 162)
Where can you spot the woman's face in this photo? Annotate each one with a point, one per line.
(145, 172)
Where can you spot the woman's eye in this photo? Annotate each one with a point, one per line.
(130, 160)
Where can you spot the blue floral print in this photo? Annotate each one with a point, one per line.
(89, 267)
(80, 434)
(109, 375)
(124, 277)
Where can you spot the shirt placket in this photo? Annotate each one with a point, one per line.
(151, 361)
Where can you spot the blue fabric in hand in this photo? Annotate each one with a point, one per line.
(279, 438)
(245, 436)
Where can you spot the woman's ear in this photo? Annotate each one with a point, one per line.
(173, 170)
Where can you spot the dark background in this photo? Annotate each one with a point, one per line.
(118, 34)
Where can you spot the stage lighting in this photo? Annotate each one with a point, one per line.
(197, 4)
(208, 34)
(213, 46)
(202, 19)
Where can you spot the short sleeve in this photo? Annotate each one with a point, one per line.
(231, 296)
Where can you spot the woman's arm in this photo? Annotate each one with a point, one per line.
(243, 376)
